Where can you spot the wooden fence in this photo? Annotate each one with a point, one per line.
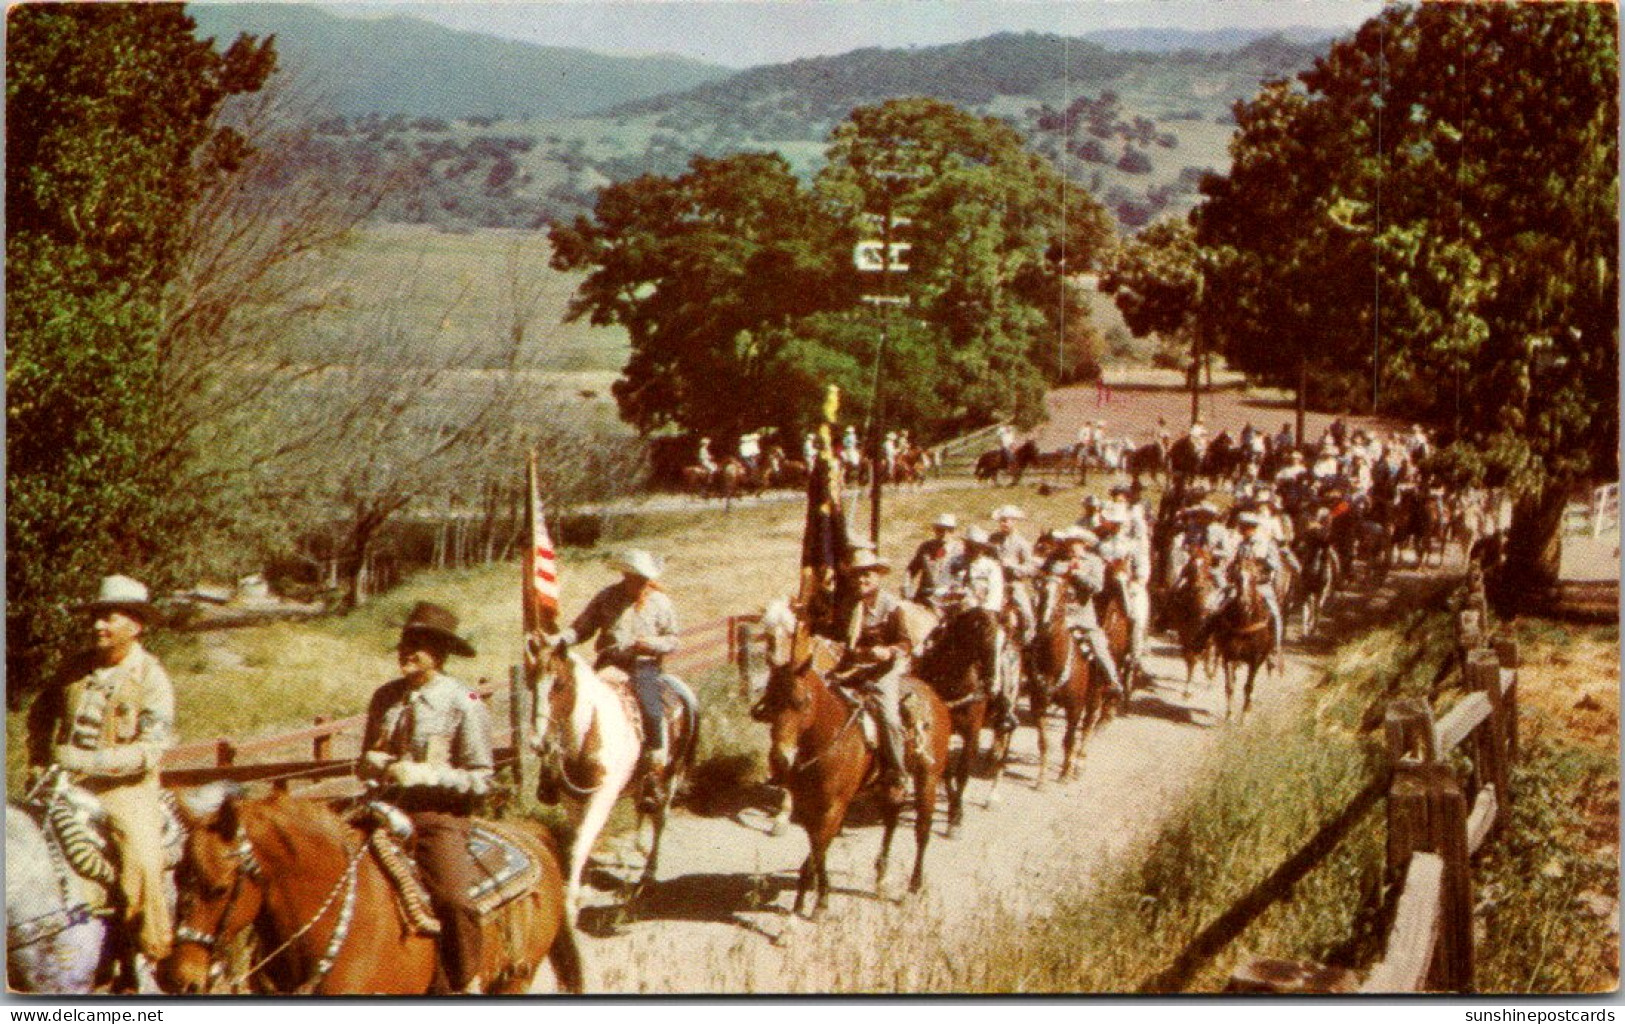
(327, 748)
(1437, 819)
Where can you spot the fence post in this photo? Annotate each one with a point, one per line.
(1447, 807)
(518, 721)
(1490, 745)
(739, 641)
(1412, 733)
(322, 745)
(1506, 649)
(225, 753)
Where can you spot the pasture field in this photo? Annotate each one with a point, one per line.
(459, 292)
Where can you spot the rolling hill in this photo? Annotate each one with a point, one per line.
(402, 65)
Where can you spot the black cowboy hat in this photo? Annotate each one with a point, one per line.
(432, 622)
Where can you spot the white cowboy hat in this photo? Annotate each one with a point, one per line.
(1008, 512)
(1113, 514)
(1248, 519)
(867, 561)
(1078, 534)
(123, 594)
(948, 521)
(637, 562)
(978, 536)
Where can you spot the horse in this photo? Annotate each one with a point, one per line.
(910, 466)
(1242, 633)
(1319, 577)
(586, 736)
(817, 752)
(1063, 676)
(991, 463)
(1147, 460)
(702, 482)
(1192, 602)
(297, 873)
(960, 662)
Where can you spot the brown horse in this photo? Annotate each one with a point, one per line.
(298, 874)
(1242, 633)
(1193, 600)
(960, 662)
(817, 752)
(1063, 676)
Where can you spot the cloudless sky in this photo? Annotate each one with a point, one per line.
(740, 33)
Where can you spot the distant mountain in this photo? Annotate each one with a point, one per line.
(401, 65)
(1169, 40)
(983, 74)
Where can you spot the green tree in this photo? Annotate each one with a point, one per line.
(110, 135)
(705, 271)
(995, 230)
(1436, 209)
(1157, 279)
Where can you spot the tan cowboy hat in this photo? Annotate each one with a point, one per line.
(947, 521)
(637, 562)
(1008, 512)
(433, 621)
(123, 594)
(868, 561)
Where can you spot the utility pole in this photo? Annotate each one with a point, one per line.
(885, 256)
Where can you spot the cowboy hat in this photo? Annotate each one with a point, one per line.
(1122, 488)
(1008, 512)
(123, 594)
(428, 620)
(1077, 534)
(867, 561)
(947, 521)
(637, 562)
(1114, 515)
(978, 536)
(1248, 519)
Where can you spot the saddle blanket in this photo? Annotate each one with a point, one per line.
(509, 860)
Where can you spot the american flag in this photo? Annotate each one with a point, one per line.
(541, 585)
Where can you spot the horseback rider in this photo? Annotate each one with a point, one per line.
(106, 721)
(1263, 550)
(1007, 444)
(983, 578)
(708, 461)
(851, 451)
(877, 658)
(427, 747)
(1195, 531)
(809, 448)
(888, 454)
(1118, 544)
(636, 625)
(750, 450)
(931, 570)
(1084, 572)
(1015, 553)
(1091, 513)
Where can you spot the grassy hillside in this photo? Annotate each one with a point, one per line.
(402, 65)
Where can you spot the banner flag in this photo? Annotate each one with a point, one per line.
(540, 596)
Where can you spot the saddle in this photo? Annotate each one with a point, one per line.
(621, 684)
(509, 861)
(75, 826)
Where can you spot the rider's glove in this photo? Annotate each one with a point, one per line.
(407, 774)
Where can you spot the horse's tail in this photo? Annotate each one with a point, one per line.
(565, 958)
(691, 749)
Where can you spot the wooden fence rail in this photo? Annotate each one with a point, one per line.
(278, 758)
(1437, 819)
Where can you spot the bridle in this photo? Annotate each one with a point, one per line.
(249, 867)
(549, 750)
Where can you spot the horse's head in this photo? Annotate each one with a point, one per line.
(554, 685)
(220, 886)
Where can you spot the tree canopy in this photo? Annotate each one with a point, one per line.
(1431, 212)
(109, 134)
(735, 281)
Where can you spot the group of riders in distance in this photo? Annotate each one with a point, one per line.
(759, 462)
(112, 880)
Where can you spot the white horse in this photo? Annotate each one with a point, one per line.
(587, 741)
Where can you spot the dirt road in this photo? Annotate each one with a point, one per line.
(718, 919)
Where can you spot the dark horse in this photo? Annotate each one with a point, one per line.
(1319, 577)
(1068, 678)
(1191, 603)
(1242, 632)
(960, 662)
(1147, 460)
(991, 463)
(817, 751)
